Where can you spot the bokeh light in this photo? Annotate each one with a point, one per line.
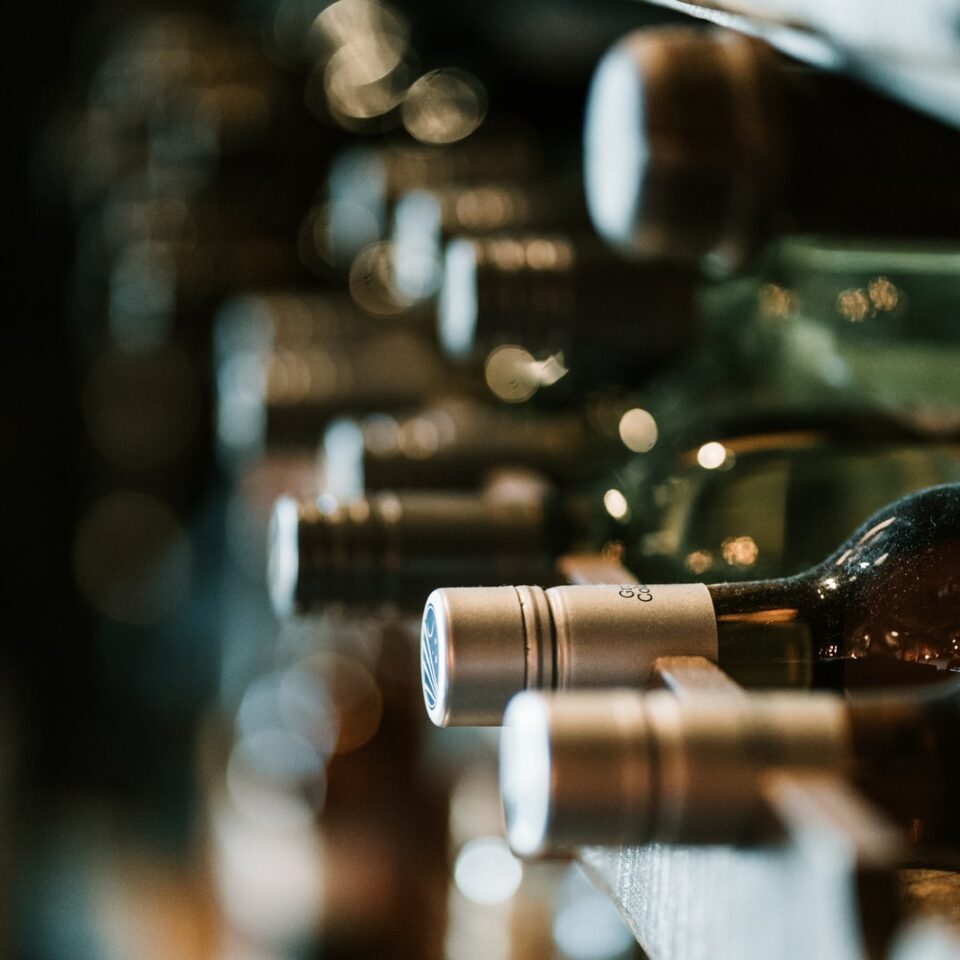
(713, 455)
(513, 375)
(444, 106)
(638, 430)
(486, 872)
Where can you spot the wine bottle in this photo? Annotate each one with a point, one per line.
(388, 544)
(625, 767)
(864, 323)
(553, 293)
(425, 219)
(820, 324)
(288, 363)
(702, 145)
(455, 443)
(391, 548)
(739, 508)
(881, 609)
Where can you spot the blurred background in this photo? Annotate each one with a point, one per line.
(180, 776)
(340, 250)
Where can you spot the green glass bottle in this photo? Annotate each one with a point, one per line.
(660, 516)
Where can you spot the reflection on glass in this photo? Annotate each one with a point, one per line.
(740, 551)
(698, 561)
(513, 375)
(638, 430)
(853, 305)
(444, 106)
(879, 295)
(713, 455)
(616, 505)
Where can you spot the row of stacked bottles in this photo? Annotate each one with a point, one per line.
(394, 379)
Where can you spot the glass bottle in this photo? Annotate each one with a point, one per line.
(819, 325)
(425, 219)
(364, 183)
(625, 767)
(602, 317)
(390, 548)
(388, 544)
(882, 609)
(702, 145)
(455, 443)
(288, 363)
(866, 323)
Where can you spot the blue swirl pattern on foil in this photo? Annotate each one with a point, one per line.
(430, 658)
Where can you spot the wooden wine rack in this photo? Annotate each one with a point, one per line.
(830, 887)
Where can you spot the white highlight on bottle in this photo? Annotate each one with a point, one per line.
(343, 459)
(525, 773)
(638, 430)
(457, 309)
(283, 563)
(486, 872)
(416, 234)
(712, 455)
(615, 503)
(613, 146)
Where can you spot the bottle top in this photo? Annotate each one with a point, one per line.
(395, 547)
(623, 767)
(480, 646)
(681, 143)
(424, 219)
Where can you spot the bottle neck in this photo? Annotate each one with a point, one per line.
(764, 632)
(804, 630)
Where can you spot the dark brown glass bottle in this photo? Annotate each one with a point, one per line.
(883, 609)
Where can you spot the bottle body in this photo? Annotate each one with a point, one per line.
(867, 324)
(883, 609)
